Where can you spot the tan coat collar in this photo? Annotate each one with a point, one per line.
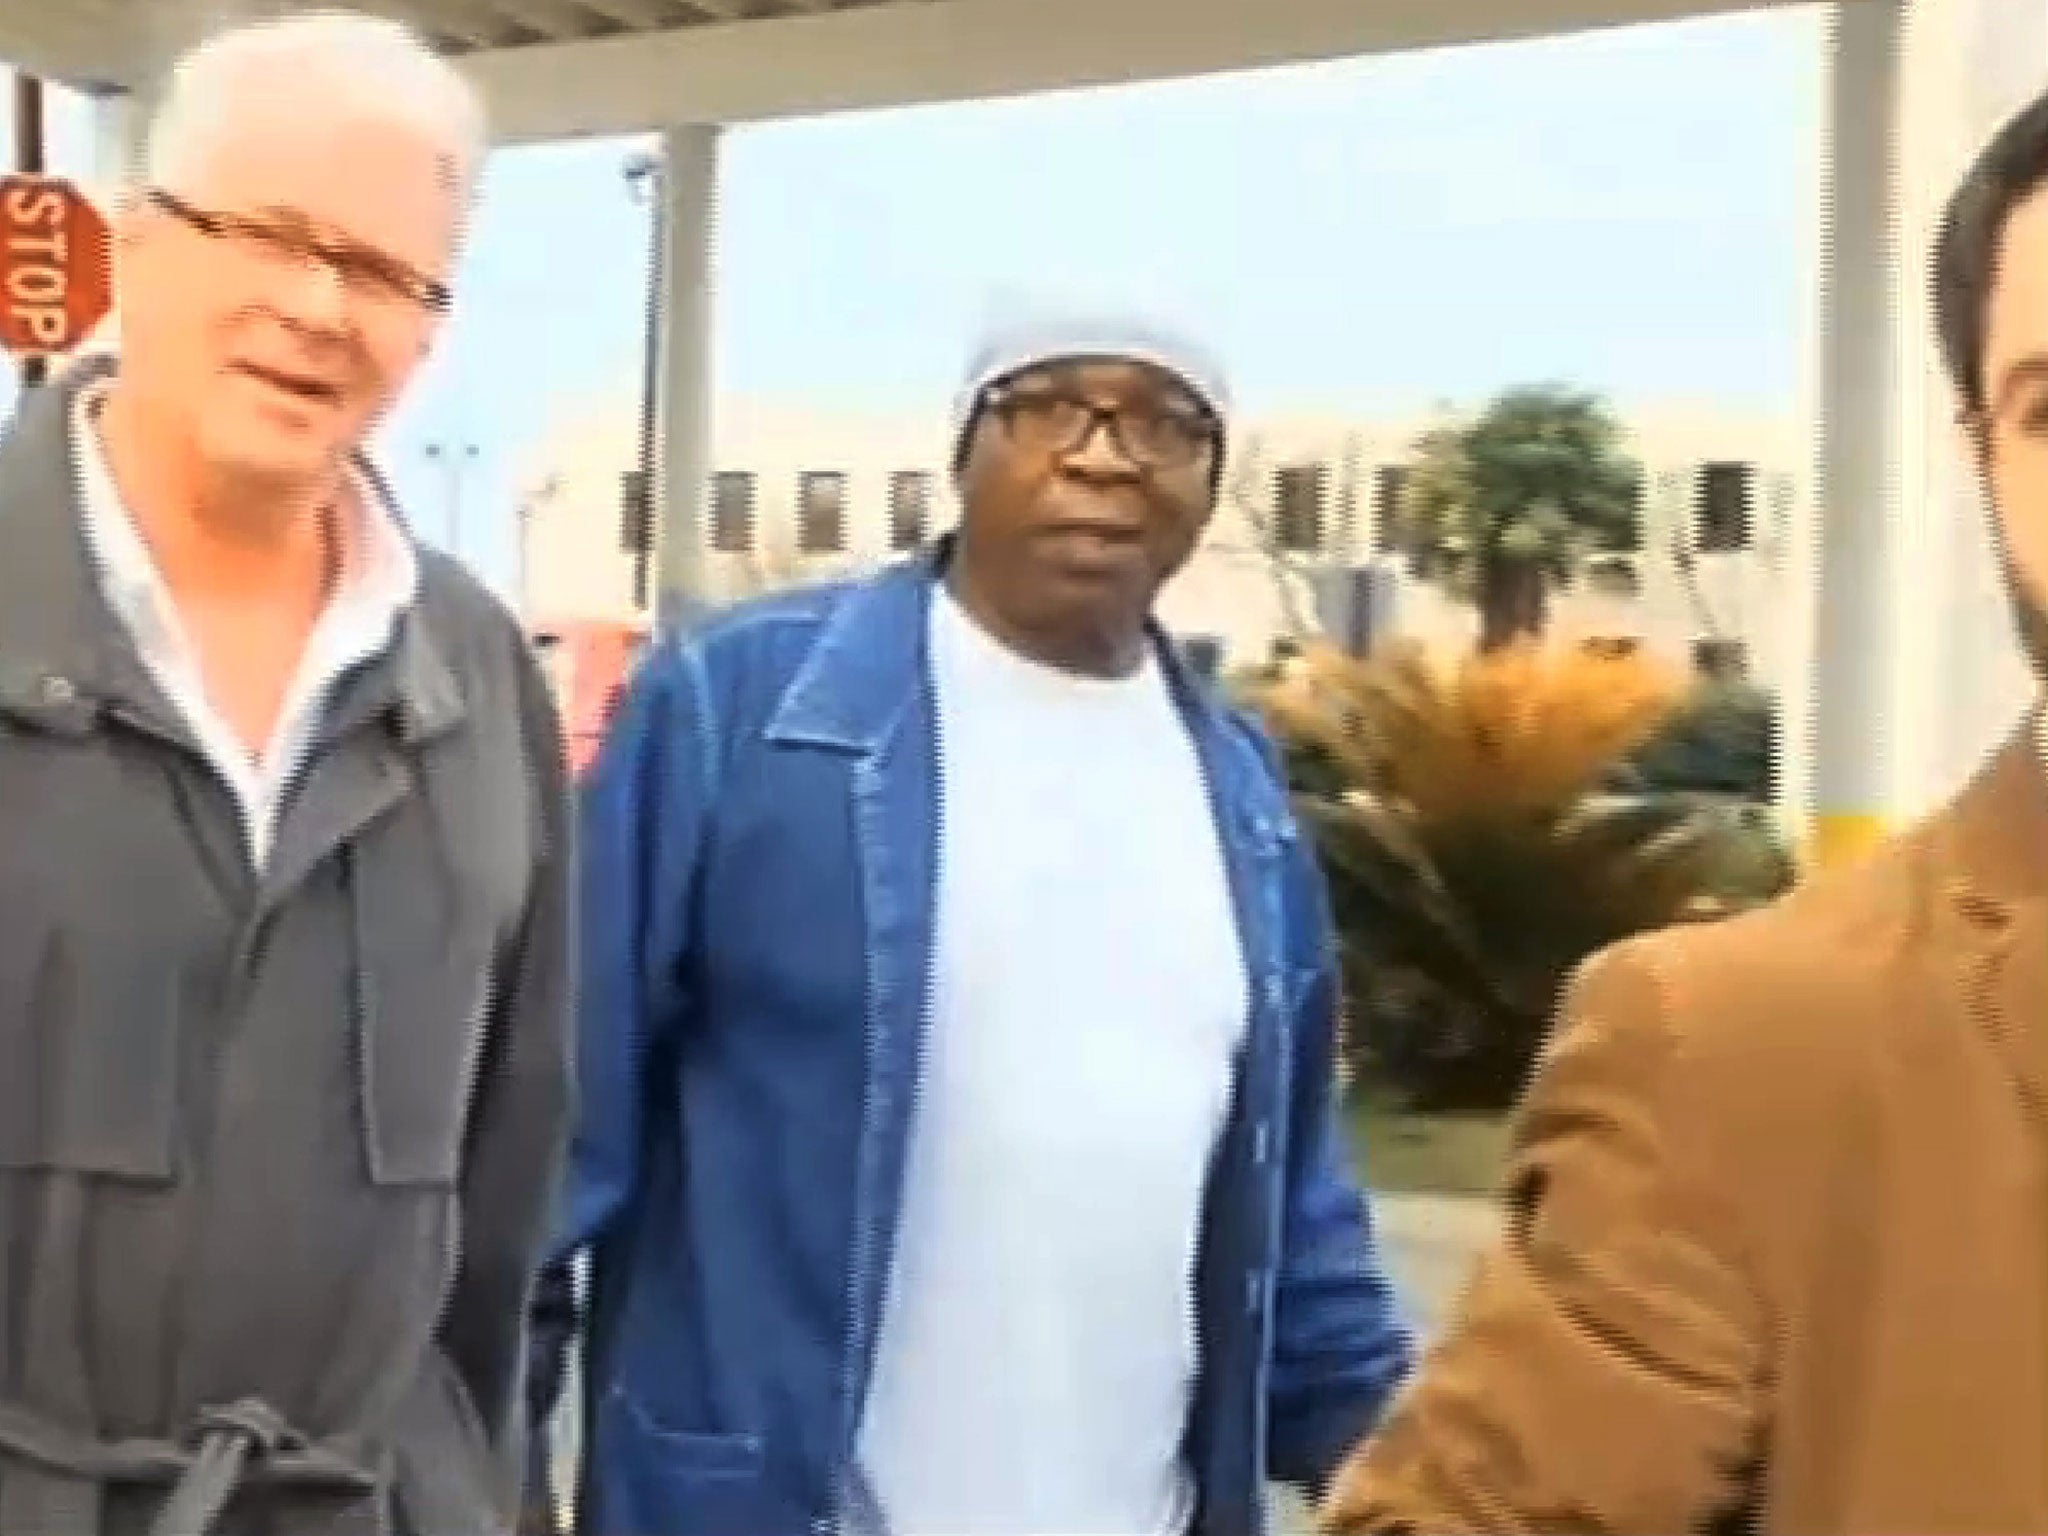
(1992, 858)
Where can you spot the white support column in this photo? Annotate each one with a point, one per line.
(1916, 674)
(120, 125)
(1857, 488)
(118, 131)
(689, 248)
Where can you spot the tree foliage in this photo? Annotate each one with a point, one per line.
(1505, 505)
(1475, 855)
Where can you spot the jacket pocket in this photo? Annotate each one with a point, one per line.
(422, 1011)
(652, 1480)
(88, 1053)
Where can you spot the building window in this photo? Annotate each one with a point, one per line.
(636, 512)
(1614, 578)
(1204, 656)
(1630, 540)
(732, 511)
(1300, 492)
(1389, 492)
(1721, 660)
(910, 507)
(1612, 647)
(821, 512)
(1727, 496)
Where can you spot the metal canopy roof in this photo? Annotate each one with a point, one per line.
(565, 68)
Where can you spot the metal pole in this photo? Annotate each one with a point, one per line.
(689, 185)
(437, 454)
(28, 159)
(470, 454)
(452, 457)
(643, 173)
(523, 515)
(455, 504)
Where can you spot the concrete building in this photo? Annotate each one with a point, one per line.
(1910, 665)
(800, 494)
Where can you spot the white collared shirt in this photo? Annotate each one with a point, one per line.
(378, 579)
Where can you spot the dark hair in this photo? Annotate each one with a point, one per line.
(1967, 248)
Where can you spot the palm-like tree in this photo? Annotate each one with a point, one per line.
(1504, 506)
(1473, 855)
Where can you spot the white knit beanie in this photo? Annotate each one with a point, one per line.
(1030, 338)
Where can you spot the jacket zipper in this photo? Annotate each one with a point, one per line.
(1260, 1065)
(928, 979)
(235, 994)
(861, 1280)
(856, 1285)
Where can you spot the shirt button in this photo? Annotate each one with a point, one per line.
(1262, 1142)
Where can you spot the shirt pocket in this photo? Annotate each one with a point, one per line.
(88, 1053)
(93, 963)
(656, 1480)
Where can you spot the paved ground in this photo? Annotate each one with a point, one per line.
(1429, 1242)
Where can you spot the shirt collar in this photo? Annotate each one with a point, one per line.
(379, 575)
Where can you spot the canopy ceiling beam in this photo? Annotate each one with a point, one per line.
(908, 53)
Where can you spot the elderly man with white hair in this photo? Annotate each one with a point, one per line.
(284, 928)
(958, 1155)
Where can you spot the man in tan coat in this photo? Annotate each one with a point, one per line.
(1776, 1241)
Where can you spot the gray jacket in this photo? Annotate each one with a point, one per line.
(277, 1149)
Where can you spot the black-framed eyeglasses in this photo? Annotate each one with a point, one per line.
(1059, 421)
(283, 235)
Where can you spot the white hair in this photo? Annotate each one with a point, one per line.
(359, 60)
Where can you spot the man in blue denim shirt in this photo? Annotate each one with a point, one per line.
(957, 1155)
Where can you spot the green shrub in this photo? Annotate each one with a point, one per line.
(1724, 740)
(1475, 857)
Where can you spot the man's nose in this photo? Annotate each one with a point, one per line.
(1101, 450)
(312, 294)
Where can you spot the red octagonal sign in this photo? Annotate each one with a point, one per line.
(56, 266)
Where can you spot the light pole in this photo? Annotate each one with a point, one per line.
(530, 506)
(28, 159)
(643, 178)
(454, 458)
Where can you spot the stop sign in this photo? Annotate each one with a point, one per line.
(56, 266)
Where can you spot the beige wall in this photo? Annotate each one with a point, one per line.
(1233, 589)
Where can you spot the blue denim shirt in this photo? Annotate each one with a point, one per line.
(759, 846)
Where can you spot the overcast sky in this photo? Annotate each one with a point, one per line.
(1627, 210)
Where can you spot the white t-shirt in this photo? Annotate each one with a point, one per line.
(1038, 1346)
